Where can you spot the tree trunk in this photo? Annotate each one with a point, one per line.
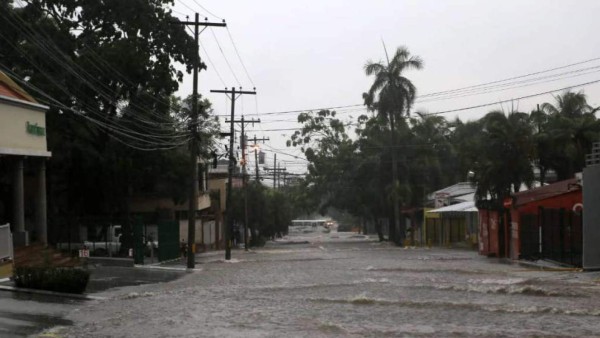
(379, 229)
(391, 225)
(394, 224)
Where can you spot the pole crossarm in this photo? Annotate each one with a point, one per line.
(229, 230)
(276, 169)
(225, 91)
(194, 153)
(200, 23)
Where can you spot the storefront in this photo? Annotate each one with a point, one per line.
(23, 156)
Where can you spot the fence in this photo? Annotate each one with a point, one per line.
(102, 236)
(168, 239)
(554, 234)
(6, 243)
(530, 234)
(562, 239)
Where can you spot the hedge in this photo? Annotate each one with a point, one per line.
(70, 280)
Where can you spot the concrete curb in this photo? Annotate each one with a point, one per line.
(168, 268)
(50, 293)
(547, 268)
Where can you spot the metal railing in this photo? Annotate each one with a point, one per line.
(6, 243)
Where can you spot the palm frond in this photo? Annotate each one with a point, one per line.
(549, 108)
(374, 68)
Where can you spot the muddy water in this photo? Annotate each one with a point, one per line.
(24, 314)
(340, 285)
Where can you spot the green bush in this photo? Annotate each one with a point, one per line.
(71, 280)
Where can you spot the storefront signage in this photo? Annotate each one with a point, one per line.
(34, 129)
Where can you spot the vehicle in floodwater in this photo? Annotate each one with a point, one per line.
(312, 225)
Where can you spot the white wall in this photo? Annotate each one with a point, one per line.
(13, 124)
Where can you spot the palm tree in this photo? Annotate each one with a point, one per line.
(569, 104)
(571, 128)
(392, 95)
(506, 153)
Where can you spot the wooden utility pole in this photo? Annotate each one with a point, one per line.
(193, 194)
(229, 229)
(276, 173)
(256, 162)
(256, 140)
(243, 123)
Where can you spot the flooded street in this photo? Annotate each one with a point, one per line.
(24, 314)
(343, 285)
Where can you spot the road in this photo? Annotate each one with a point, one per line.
(23, 314)
(343, 285)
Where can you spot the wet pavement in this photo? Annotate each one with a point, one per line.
(342, 285)
(24, 314)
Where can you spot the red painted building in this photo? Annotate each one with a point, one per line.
(529, 215)
(534, 222)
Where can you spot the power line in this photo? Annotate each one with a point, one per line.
(239, 57)
(187, 6)
(433, 94)
(180, 13)
(225, 58)
(125, 132)
(49, 47)
(284, 153)
(513, 78)
(211, 63)
(207, 11)
(514, 99)
(515, 85)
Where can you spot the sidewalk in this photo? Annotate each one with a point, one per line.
(237, 254)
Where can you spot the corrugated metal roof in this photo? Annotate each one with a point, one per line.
(546, 191)
(468, 206)
(458, 189)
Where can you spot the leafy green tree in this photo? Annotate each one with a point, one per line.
(270, 211)
(331, 153)
(372, 171)
(107, 69)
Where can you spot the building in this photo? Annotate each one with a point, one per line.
(450, 217)
(539, 223)
(23, 156)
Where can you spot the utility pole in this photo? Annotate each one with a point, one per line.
(229, 229)
(193, 194)
(276, 173)
(256, 161)
(243, 122)
(256, 152)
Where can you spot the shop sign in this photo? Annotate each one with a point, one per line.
(34, 129)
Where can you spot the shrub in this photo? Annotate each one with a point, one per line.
(71, 280)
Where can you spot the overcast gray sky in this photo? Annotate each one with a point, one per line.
(310, 54)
